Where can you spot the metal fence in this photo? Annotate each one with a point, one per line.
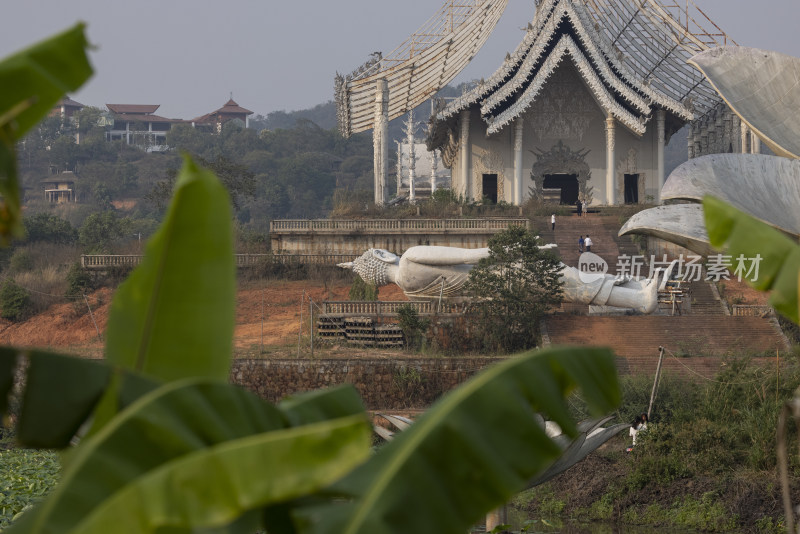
(108, 261)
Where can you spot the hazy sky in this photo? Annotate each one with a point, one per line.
(189, 55)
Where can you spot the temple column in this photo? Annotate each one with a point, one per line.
(661, 140)
(745, 134)
(517, 198)
(465, 155)
(611, 190)
(755, 143)
(690, 141)
(434, 168)
(380, 140)
(736, 128)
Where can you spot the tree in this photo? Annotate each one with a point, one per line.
(49, 228)
(100, 230)
(516, 285)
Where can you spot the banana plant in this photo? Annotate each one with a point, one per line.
(740, 234)
(155, 439)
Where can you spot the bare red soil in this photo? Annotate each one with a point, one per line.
(268, 315)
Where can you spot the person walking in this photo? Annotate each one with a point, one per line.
(588, 243)
(581, 243)
(553, 221)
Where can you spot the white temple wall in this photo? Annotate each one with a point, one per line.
(565, 111)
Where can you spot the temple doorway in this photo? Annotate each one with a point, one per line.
(489, 187)
(564, 187)
(631, 189)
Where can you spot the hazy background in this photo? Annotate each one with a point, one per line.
(190, 55)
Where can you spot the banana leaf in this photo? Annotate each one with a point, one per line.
(472, 450)
(174, 316)
(195, 454)
(741, 234)
(33, 80)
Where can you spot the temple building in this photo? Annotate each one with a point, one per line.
(231, 111)
(581, 110)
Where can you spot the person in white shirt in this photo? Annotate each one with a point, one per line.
(588, 243)
(553, 221)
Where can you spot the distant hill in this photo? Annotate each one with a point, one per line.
(324, 116)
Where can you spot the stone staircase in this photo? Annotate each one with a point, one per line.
(707, 329)
(635, 336)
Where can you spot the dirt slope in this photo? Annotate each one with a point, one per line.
(62, 328)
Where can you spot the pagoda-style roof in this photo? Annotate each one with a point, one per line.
(230, 108)
(69, 103)
(125, 109)
(146, 117)
(564, 30)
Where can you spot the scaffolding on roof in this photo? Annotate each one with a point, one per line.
(656, 38)
(420, 66)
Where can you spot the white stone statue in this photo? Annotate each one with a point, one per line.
(431, 272)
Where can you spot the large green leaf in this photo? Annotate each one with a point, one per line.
(8, 363)
(322, 405)
(42, 74)
(60, 394)
(194, 454)
(33, 80)
(174, 316)
(740, 234)
(473, 449)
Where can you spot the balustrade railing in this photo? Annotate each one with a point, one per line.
(333, 225)
(741, 310)
(387, 308)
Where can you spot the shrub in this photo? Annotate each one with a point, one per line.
(414, 329)
(78, 283)
(14, 301)
(45, 227)
(21, 261)
(361, 290)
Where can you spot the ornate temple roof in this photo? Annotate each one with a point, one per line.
(418, 68)
(656, 38)
(565, 29)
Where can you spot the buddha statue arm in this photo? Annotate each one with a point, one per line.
(445, 256)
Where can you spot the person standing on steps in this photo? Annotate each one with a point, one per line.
(580, 208)
(553, 221)
(588, 243)
(581, 243)
(583, 204)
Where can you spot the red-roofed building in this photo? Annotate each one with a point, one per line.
(214, 120)
(137, 125)
(66, 108)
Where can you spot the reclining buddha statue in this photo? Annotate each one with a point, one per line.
(432, 272)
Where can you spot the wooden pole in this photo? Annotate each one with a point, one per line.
(262, 320)
(655, 381)
(300, 332)
(92, 316)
